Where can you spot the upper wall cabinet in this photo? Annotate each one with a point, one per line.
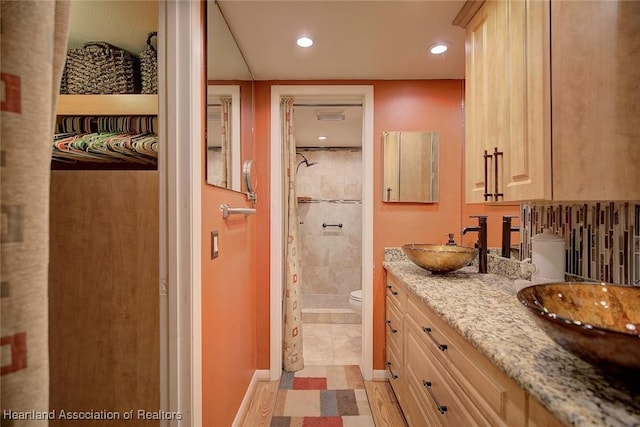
(595, 87)
(507, 155)
(516, 149)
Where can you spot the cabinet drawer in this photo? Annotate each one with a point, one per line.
(499, 399)
(435, 390)
(394, 370)
(394, 326)
(396, 293)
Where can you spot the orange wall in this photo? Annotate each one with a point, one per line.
(229, 352)
(235, 296)
(431, 105)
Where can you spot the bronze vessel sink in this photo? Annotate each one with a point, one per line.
(439, 258)
(598, 322)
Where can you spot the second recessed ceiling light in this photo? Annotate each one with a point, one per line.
(438, 48)
(304, 41)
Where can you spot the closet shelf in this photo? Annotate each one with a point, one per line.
(108, 105)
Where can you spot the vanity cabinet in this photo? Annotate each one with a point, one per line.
(550, 106)
(441, 379)
(395, 307)
(537, 416)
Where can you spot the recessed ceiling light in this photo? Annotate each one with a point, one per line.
(304, 41)
(438, 48)
(322, 137)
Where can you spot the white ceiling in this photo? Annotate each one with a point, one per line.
(384, 39)
(354, 40)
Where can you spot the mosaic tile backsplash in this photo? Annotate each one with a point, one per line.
(602, 240)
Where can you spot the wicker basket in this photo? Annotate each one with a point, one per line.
(149, 66)
(63, 82)
(100, 68)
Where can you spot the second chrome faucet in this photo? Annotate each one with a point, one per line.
(481, 244)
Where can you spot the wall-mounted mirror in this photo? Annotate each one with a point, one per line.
(410, 167)
(227, 91)
(223, 136)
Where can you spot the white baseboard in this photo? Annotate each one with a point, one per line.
(258, 375)
(379, 374)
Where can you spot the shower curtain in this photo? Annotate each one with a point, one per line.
(33, 43)
(292, 298)
(225, 152)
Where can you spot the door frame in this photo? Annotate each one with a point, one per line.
(181, 135)
(277, 217)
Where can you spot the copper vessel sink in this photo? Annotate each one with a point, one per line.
(439, 258)
(598, 322)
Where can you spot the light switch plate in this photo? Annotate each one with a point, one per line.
(214, 244)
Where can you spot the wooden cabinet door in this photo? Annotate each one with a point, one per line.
(595, 49)
(104, 337)
(507, 140)
(480, 35)
(525, 167)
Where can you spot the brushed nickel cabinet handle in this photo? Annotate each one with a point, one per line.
(427, 331)
(427, 385)
(393, 331)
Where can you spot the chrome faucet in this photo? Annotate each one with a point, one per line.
(481, 244)
(507, 229)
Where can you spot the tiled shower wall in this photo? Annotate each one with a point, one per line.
(331, 256)
(602, 240)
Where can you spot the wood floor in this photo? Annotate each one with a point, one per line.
(384, 407)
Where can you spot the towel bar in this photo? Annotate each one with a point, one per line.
(325, 225)
(227, 210)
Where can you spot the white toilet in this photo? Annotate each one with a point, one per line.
(355, 301)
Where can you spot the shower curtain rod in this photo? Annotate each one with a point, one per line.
(328, 148)
(327, 105)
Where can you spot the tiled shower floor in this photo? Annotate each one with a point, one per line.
(328, 309)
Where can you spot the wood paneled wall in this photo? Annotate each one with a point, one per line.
(103, 294)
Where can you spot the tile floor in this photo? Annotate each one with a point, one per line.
(332, 343)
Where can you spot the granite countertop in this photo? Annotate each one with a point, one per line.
(484, 309)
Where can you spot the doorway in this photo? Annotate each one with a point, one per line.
(328, 178)
(365, 96)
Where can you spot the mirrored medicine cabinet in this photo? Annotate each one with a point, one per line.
(410, 166)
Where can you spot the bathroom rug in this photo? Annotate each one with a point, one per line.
(322, 396)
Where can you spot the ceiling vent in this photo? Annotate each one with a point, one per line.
(330, 115)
